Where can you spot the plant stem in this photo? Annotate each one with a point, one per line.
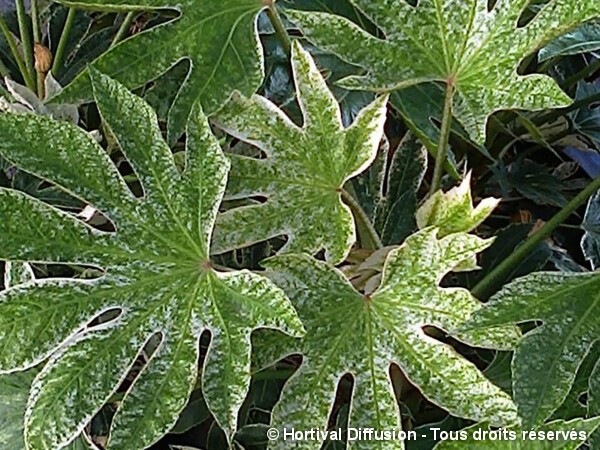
(16, 54)
(510, 219)
(41, 85)
(124, 28)
(280, 29)
(4, 72)
(37, 40)
(62, 43)
(35, 22)
(491, 282)
(25, 39)
(365, 228)
(442, 150)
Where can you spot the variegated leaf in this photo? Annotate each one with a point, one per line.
(461, 42)
(348, 332)
(156, 277)
(218, 38)
(453, 211)
(547, 359)
(304, 169)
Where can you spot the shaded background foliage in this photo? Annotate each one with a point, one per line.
(535, 162)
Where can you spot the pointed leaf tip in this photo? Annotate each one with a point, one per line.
(453, 211)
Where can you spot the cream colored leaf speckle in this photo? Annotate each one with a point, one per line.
(547, 359)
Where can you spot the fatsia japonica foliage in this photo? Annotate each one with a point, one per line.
(218, 39)
(15, 387)
(156, 279)
(463, 43)
(128, 334)
(304, 171)
(568, 306)
(349, 332)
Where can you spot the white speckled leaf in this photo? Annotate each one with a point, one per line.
(452, 40)
(351, 333)
(550, 436)
(546, 360)
(156, 275)
(219, 39)
(303, 171)
(453, 211)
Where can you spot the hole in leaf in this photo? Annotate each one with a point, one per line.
(339, 415)
(104, 317)
(583, 399)
(151, 347)
(530, 12)
(464, 350)
(78, 271)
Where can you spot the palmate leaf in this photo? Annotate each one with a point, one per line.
(452, 41)
(157, 276)
(453, 212)
(362, 335)
(304, 169)
(547, 359)
(219, 39)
